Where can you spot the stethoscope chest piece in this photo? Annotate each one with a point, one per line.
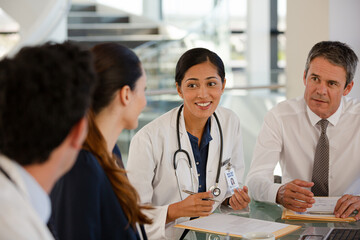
(215, 191)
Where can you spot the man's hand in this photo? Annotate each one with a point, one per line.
(240, 199)
(294, 196)
(346, 205)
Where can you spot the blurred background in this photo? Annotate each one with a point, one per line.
(263, 43)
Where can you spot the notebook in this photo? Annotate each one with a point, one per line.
(326, 233)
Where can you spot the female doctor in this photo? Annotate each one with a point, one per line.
(196, 147)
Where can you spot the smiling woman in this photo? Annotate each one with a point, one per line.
(201, 91)
(163, 154)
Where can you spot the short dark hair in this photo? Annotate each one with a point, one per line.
(196, 56)
(44, 91)
(337, 53)
(116, 66)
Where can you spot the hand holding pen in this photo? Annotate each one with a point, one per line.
(192, 193)
(195, 205)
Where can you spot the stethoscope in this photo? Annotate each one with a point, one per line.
(215, 190)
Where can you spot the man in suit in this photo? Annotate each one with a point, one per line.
(45, 92)
(315, 138)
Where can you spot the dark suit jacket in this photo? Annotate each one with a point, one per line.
(85, 205)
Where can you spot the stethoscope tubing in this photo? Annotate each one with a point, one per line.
(180, 150)
(221, 149)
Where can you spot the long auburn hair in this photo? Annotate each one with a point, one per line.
(116, 66)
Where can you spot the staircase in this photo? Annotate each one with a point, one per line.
(88, 26)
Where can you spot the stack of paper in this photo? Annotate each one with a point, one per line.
(322, 210)
(236, 226)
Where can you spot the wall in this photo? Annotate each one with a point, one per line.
(343, 26)
(307, 24)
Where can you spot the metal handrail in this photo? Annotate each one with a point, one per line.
(194, 27)
(174, 91)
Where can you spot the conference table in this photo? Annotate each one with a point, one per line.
(272, 212)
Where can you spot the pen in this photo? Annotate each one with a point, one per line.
(192, 193)
(320, 213)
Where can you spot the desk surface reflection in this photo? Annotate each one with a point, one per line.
(272, 212)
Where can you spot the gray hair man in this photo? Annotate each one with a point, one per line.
(315, 138)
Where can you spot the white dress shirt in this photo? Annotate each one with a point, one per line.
(289, 135)
(38, 198)
(19, 219)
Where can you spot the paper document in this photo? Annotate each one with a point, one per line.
(322, 210)
(323, 206)
(236, 226)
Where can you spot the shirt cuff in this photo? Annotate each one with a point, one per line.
(273, 192)
(156, 230)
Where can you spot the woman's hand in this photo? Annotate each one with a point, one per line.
(240, 199)
(195, 205)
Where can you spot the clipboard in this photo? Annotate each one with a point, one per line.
(322, 210)
(291, 215)
(236, 226)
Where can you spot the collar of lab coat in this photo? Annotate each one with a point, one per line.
(12, 169)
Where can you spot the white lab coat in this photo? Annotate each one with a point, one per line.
(18, 219)
(151, 171)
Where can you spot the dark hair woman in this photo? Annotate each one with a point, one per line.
(95, 199)
(190, 148)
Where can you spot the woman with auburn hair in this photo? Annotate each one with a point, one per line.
(95, 200)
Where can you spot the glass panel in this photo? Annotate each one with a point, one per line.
(281, 51)
(208, 30)
(9, 35)
(282, 15)
(183, 13)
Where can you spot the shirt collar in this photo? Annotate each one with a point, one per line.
(333, 119)
(206, 137)
(39, 199)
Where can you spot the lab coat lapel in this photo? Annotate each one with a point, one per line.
(186, 145)
(213, 155)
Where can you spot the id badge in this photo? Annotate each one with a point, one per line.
(231, 178)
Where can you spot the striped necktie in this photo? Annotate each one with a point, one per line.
(320, 175)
